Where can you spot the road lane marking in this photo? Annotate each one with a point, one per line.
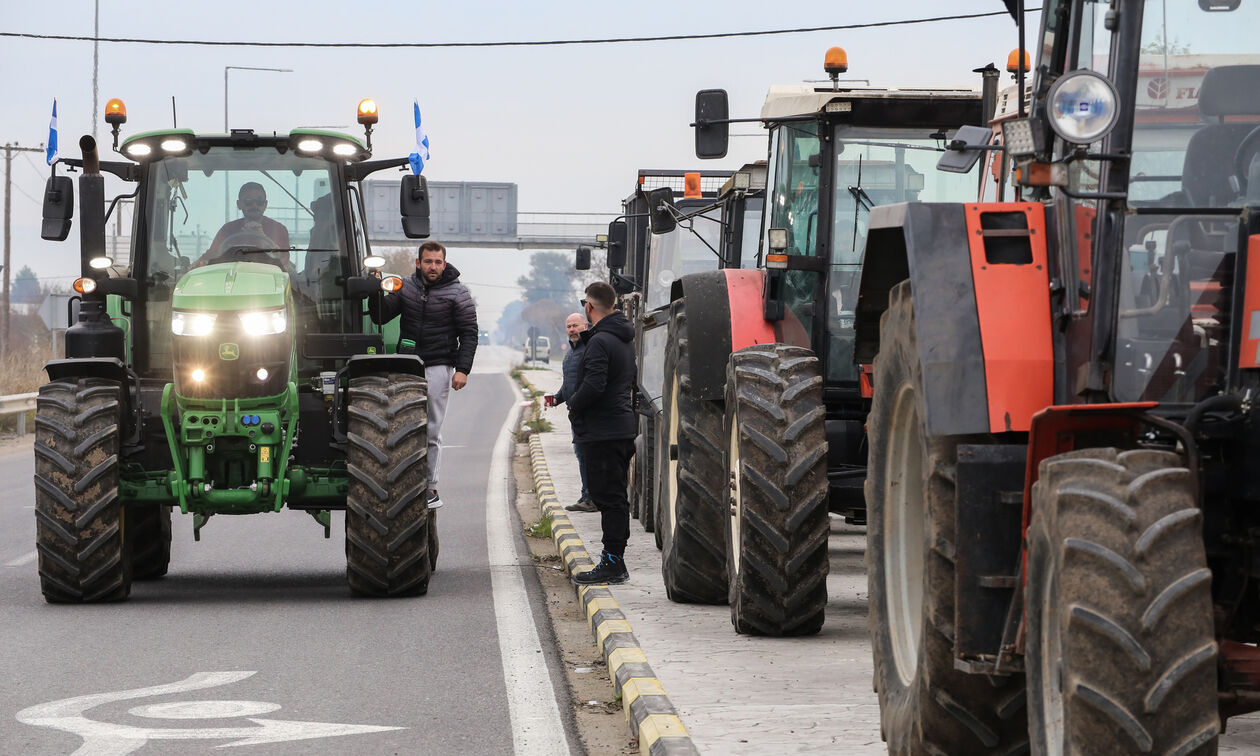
(24, 559)
(536, 724)
(110, 739)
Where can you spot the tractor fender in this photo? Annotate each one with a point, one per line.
(982, 308)
(724, 314)
(364, 364)
(110, 368)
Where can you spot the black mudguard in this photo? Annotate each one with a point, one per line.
(927, 244)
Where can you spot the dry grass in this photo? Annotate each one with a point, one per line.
(22, 371)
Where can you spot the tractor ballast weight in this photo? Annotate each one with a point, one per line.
(246, 381)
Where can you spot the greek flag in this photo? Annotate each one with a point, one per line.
(421, 154)
(52, 134)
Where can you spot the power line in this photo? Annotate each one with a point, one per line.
(516, 43)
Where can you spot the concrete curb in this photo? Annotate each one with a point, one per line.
(652, 718)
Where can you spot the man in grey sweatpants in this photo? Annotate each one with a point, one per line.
(440, 318)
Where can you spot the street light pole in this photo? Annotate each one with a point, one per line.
(227, 195)
(9, 149)
(226, 130)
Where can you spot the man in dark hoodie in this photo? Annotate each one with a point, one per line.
(440, 319)
(603, 424)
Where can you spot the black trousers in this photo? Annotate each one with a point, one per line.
(607, 472)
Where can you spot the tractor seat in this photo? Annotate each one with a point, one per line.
(1225, 91)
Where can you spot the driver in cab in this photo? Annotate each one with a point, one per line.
(254, 230)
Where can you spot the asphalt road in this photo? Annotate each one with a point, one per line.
(253, 638)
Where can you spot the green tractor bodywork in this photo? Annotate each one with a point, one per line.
(225, 364)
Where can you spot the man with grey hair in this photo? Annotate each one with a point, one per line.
(573, 327)
(604, 425)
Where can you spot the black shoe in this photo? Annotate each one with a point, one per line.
(582, 505)
(435, 501)
(611, 570)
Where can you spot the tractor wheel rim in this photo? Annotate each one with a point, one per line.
(904, 533)
(734, 471)
(1051, 662)
(671, 452)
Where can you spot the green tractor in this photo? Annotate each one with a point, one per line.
(229, 372)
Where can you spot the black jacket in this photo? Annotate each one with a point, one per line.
(599, 410)
(571, 369)
(441, 318)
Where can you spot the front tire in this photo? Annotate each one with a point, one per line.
(926, 706)
(1127, 663)
(79, 526)
(776, 464)
(387, 510)
(693, 554)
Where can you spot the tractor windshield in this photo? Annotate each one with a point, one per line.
(681, 252)
(233, 204)
(875, 167)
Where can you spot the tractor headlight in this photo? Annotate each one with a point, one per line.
(1083, 107)
(263, 322)
(192, 323)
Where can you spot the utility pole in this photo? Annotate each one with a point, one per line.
(9, 149)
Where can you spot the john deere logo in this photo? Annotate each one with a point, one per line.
(229, 351)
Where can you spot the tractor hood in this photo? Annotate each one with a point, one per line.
(232, 286)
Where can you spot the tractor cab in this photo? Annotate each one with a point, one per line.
(834, 155)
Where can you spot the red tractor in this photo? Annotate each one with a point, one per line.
(1062, 520)
(761, 428)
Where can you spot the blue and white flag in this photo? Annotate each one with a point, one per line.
(421, 154)
(52, 134)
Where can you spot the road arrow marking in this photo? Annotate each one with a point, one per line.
(109, 739)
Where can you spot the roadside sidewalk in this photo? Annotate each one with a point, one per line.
(738, 694)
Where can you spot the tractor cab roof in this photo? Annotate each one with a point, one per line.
(181, 142)
(874, 106)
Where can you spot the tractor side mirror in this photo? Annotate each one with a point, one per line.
(413, 203)
(58, 208)
(964, 149)
(660, 210)
(127, 288)
(712, 127)
(358, 287)
(618, 233)
(583, 261)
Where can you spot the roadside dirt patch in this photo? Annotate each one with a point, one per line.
(597, 715)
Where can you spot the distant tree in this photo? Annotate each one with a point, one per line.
(511, 328)
(551, 276)
(26, 290)
(548, 315)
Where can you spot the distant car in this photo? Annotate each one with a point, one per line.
(543, 353)
(483, 337)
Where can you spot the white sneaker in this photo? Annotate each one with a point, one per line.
(435, 501)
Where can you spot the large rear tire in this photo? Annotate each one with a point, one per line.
(776, 463)
(79, 527)
(149, 540)
(387, 510)
(1124, 661)
(693, 553)
(926, 706)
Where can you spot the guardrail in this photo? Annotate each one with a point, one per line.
(18, 404)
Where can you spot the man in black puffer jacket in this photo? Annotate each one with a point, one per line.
(440, 319)
(604, 425)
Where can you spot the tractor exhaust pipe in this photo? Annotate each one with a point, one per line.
(91, 158)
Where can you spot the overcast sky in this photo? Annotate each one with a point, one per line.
(569, 125)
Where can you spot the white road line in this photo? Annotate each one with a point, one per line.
(536, 725)
(24, 559)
